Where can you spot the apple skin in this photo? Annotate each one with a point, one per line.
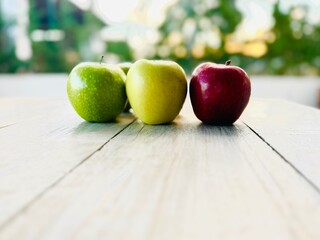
(219, 93)
(125, 66)
(156, 90)
(97, 91)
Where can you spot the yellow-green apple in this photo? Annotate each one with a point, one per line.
(156, 90)
(219, 93)
(97, 91)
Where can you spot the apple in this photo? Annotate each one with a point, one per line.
(219, 93)
(156, 90)
(125, 66)
(97, 91)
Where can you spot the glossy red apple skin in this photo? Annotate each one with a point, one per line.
(219, 93)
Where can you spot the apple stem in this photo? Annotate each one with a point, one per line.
(228, 62)
(101, 59)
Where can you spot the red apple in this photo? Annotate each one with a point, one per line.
(219, 92)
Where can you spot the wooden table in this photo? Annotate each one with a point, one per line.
(63, 178)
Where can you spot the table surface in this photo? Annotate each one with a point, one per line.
(63, 178)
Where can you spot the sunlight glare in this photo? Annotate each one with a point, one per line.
(115, 11)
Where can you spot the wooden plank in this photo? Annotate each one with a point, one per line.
(14, 110)
(291, 129)
(38, 152)
(33, 85)
(179, 181)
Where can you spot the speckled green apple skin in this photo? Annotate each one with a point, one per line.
(97, 91)
(125, 66)
(156, 90)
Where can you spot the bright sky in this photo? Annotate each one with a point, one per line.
(257, 13)
(148, 14)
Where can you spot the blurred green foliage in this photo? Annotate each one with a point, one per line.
(60, 56)
(296, 48)
(190, 34)
(195, 24)
(8, 60)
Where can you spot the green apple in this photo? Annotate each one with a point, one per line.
(97, 91)
(156, 90)
(125, 66)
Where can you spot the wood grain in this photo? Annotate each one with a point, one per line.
(293, 131)
(40, 150)
(14, 110)
(179, 181)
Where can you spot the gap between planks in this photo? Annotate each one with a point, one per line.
(313, 185)
(5, 126)
(34, 200)
(173, 173)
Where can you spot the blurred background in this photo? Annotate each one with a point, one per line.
(275, 41)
